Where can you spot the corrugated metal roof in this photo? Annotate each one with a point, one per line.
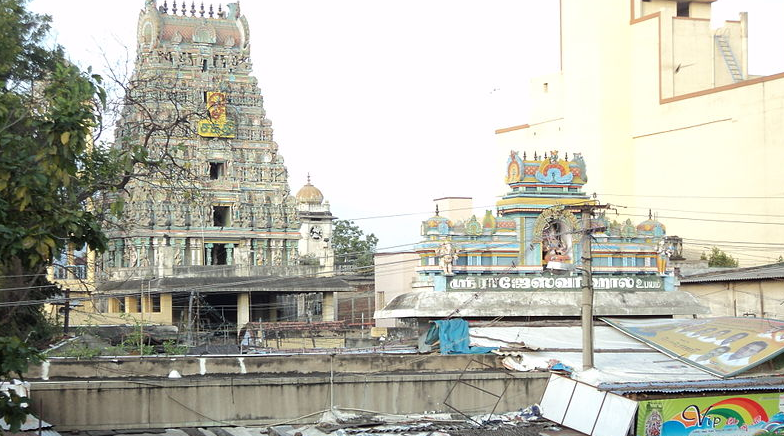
(767, 383)
(774, 271)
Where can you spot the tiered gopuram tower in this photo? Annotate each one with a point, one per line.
(193, 64)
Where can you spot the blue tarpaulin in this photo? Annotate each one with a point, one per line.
(453, 337)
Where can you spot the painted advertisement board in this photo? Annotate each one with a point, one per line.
(500, 282)
(217, 126)
(743, 415)
(723, 346)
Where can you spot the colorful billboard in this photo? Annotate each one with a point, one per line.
(721, 346)
(217, 126)
(743, 415)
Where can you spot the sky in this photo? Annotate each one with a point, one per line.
(389, 104)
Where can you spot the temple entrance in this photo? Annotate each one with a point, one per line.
(215, 254)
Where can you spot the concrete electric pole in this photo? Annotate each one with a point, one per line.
(586, 311)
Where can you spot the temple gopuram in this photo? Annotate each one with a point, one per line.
(221, 241)
(525, 261)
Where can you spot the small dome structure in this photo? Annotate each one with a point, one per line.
(651, 227)
(310, 194)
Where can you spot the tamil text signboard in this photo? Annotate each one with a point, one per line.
(544, 283)
(721, 346)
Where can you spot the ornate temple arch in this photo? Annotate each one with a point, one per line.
(552, 229)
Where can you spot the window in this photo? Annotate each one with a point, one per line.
(617, 261)
(221, 216)
(204, 65)
(217, 170)
(215, 254)
(117, 305)
(156, 303)
(683, 9)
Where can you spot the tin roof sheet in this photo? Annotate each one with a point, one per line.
(768, 383)
(764, 272)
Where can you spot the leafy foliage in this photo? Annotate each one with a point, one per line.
(350, 246)
(59, 185)
(15, 356)
(47, 111)
(719, 258)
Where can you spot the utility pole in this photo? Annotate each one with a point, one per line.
(67, 310)
(190, 319)
(141, 319)
(586, 312)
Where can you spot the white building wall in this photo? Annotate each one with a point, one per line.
(394, 273)
(656, 138)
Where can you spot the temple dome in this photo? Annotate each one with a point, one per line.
(310, 194)
(651, 227)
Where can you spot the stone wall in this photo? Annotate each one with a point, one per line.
(255, 390)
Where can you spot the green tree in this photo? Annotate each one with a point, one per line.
(352, 246)
(58, 180)
(719, 258)
(15, 356)
(47, 110)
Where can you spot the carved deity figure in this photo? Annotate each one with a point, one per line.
(664, 250)
(177, 255)
(554, 247)
(447, 256)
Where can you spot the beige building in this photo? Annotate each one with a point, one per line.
(756, 291)
(673, 122)
(394, 275)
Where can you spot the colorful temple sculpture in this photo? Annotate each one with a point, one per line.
(226, 226)
(526, 260)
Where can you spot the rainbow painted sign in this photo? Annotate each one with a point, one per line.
(746, 415)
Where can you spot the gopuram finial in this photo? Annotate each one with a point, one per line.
(436, 210)
(184, 9)
(193, 9)
(201, 10)
(174, 7)
(165, 7)
(211, 11)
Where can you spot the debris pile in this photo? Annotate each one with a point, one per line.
(527, 421)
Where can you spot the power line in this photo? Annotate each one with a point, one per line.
(706, 197)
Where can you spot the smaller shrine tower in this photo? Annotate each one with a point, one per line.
(316, 228)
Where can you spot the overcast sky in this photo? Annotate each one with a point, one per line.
(389, 104)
